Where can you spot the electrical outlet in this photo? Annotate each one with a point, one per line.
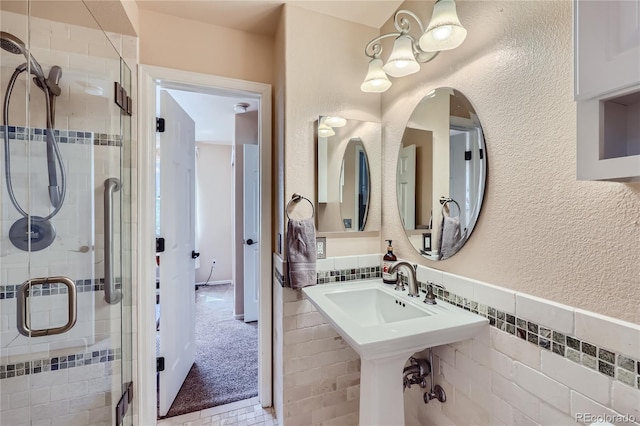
(213, 262)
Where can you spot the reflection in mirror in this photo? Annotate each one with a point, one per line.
(441, 173)
(354, 186)
(348, 174)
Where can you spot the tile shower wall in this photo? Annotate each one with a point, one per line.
(71, 396)
(66, 379)
(91, 150)
(538, 362)
(76, 253)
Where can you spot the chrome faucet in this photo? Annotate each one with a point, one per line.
(413, 282)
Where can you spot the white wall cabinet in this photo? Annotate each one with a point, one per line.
(607, 89)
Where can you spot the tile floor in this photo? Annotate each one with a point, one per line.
(239, 413)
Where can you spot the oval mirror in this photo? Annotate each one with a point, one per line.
(354, 186)
(441, 173)
(348, 171)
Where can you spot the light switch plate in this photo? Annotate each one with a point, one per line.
(321, 248)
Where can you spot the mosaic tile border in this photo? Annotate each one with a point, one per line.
(60, 362)
(339, 275)
(62, 136)
(82, 286)
(614, 365)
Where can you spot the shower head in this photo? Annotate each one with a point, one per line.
(13, 44)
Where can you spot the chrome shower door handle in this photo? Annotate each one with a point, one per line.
(111, 295)
(23, 301)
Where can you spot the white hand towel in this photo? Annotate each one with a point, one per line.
(301, 252)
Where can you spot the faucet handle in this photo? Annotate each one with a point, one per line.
(430, 298)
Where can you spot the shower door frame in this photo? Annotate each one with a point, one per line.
(148, 76)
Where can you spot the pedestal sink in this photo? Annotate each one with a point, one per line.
(386, 327)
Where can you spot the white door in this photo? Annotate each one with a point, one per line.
(407, 186)
(459, 177)
(251, 225)
(177, 227)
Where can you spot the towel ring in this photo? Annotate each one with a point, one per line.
(445, 201)
(295, 198)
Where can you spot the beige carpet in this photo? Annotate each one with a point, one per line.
(226, 367)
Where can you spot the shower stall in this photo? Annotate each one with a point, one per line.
(66, 217)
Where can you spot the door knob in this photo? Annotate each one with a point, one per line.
(250, 242)
(194, 254)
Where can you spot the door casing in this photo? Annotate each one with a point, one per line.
(147, 79)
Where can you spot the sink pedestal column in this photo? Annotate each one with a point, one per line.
(381, 393)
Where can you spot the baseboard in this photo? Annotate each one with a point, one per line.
(220, 282)
(239, 317)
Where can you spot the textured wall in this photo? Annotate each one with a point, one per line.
(172, 42)
(540, 230)
(314, 87)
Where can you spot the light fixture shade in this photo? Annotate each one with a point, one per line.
(376, 80)
(444, 32)
(402, 61)
(335, 121)
(325, 131)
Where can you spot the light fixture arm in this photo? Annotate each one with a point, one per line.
(375, 47)
(402, 24)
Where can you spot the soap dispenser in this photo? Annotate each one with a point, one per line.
(387, 260)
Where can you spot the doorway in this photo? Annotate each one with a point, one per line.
(186, 81)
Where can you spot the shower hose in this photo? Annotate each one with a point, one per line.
(57, 196)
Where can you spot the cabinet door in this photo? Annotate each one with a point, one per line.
(607, 50)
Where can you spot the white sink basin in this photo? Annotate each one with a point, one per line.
(378, 321)
(386, 327)
(373, 306)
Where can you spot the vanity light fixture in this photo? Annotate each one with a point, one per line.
(326, 125)
(334, 121)
(324, 130)
(444, 32)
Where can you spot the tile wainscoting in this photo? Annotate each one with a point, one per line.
(539, 362)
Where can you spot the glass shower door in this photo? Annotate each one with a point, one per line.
(65, 243)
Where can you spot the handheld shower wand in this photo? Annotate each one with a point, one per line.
(49, 85)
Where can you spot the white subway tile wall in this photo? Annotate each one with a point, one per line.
(78, 396)
(66, 379)
(522, 370)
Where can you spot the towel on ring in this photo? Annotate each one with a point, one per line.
(301, 252)
(450, 236)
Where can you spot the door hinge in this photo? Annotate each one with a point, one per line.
(159, 124)
(122, 98)
(159, 245)
(467, 155)
(123, 405)
(160, 364)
